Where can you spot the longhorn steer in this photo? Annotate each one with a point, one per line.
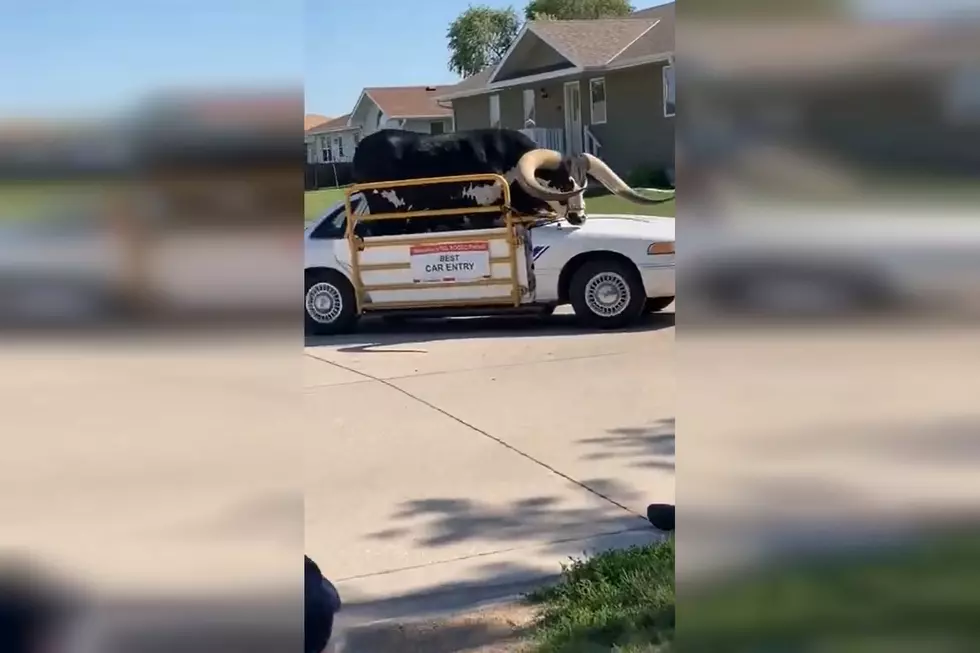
(540, 179)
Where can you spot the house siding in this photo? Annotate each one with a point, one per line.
(318, 143)
(424, 126)
(635, 134)
(369, 123)
(474, 112)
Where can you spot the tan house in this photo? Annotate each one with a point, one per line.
(602, 86)
(332, 141)
(401, 107)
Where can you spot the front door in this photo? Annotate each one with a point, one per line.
(573, 118)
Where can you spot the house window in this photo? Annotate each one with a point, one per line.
(357, 138)
(597, 93)
(529, 112)
(670, 92)
(495, 111)
(437, 127)
(328, 153)
(340, 147)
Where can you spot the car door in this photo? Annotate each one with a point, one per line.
(327, 242)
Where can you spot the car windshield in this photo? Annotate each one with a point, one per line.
(334, 219)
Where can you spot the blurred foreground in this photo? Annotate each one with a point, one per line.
(151, 376)
(189, 209)
(829, 216)
(828, 352)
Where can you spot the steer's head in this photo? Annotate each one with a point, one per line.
(561, 181)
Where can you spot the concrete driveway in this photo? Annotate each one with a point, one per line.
(451, 463)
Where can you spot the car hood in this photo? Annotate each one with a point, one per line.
(647, 227)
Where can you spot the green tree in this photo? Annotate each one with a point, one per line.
(576, 9)
(479, 37)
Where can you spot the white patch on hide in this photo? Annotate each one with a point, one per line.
(392, 197)
(484, 194)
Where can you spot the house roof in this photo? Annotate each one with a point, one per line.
(660, 11)
(594, 43)
(590, 43)
(311, 120)
(332, 125)
(473, 82)
(409, 101)
(658, 40)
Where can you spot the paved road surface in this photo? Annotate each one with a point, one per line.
(446, 457)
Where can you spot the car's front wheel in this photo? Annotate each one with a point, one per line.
(607, 294)
(329, 303)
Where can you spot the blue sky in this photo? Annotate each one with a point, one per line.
(405, 47)
(72, 57)
(78, 57)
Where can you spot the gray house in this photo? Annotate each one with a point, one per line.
(600, 86)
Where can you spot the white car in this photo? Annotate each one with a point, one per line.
(612, 269)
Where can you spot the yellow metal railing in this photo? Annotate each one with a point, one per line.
(358, 244)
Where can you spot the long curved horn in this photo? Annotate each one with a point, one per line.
(609, 179)
(530, 163)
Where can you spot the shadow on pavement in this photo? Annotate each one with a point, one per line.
(379, 333)
(507, 581)
(651, 446)
(443, 521)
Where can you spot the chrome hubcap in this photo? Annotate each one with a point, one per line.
(324, 303)
(607, 294)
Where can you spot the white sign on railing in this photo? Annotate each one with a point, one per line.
(450, 262)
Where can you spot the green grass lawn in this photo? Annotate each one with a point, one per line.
(318, 201)
(903, 597)
(616, 601)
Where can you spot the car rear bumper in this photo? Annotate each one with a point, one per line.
(658, 280)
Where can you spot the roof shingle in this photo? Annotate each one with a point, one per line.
(589, 43)
(334, 124)
(595, 43)
(662, 12)
(311, 120)
(410, 101)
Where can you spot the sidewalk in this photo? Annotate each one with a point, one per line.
(453, 472)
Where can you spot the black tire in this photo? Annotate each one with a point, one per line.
(656, 304)
(345, 318)
(618, 273)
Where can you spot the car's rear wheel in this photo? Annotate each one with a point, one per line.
(656, 304)
(607, 294)
(329, 303)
